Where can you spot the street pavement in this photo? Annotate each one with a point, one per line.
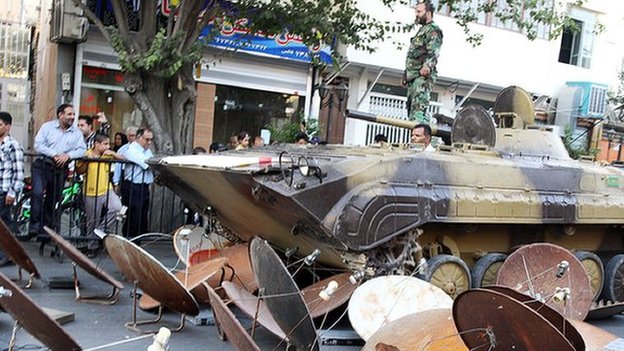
(97, 325)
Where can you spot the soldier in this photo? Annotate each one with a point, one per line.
(420, 64)
(421, 134)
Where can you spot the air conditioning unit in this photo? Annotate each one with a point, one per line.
(68, 23)
(593, 99)
(569, 102)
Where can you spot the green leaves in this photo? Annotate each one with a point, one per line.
(162, 58)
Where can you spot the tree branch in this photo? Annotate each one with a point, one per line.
(181, 14)
(208, 14)
(148, 23)
(187, 20)
(121, 16)
(92, 17)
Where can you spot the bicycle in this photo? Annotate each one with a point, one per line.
(72, 216)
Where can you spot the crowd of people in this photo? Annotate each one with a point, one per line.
(114, 174)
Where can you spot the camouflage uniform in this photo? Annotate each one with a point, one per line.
(424, 50)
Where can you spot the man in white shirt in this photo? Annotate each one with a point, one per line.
(421, 134)
(58, 141)
(138, 177)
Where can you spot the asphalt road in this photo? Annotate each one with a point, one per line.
(97, 325)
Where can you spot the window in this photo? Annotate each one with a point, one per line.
(14, 50)
(577, 44)
(489, 19)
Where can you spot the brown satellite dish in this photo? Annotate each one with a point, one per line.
(282, 296)
(473, 125)
(141, 268)
(33, 319)
(318, 306)
(240, 267)
(85, 263)
(535, 270)
(189, 240)
(16, 252)
(485, 318)
(431, 330)
(253, 306)
(196, 276)
(228, 326)
(384, 299)
(513, 108)
(552, 316)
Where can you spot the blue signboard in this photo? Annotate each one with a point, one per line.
(285, 45)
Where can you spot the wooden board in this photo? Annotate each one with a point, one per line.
(137, 265)
(34, 320)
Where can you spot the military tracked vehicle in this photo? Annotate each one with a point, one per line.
(500, 183)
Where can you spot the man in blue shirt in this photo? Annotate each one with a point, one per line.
(58, 141)
(138, 178)
(11, 174)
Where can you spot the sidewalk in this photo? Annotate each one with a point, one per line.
(96, 325)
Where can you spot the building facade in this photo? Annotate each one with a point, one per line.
(250, 89)
(572, 73)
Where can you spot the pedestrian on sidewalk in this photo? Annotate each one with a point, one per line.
(11, 175)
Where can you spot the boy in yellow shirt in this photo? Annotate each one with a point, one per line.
(98, 191)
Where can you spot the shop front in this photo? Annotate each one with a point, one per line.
(236, 91)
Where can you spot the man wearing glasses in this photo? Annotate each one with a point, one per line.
(138, 177)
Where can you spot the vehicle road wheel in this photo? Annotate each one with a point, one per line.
(613, 289)
(595, 271)
(448, 273)
(485, 271)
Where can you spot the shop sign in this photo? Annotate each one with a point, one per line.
(286, 45)
(167, 4)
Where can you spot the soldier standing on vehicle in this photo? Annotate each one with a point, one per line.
(58, 141)
(11, 174)
(420, 64)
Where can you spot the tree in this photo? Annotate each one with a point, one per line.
(617, 97)
(159, 60)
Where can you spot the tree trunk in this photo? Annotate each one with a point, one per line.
(168, 108)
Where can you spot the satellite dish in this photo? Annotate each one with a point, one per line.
(513, 108)
(431, 330)
(473, 125)
(490, 319)
(555, 318)
(536, 270)
(382, 300)
(282, 296)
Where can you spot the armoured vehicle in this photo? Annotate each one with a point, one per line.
(501, 183)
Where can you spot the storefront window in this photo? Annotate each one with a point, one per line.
(102, 90)
(238, 109)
